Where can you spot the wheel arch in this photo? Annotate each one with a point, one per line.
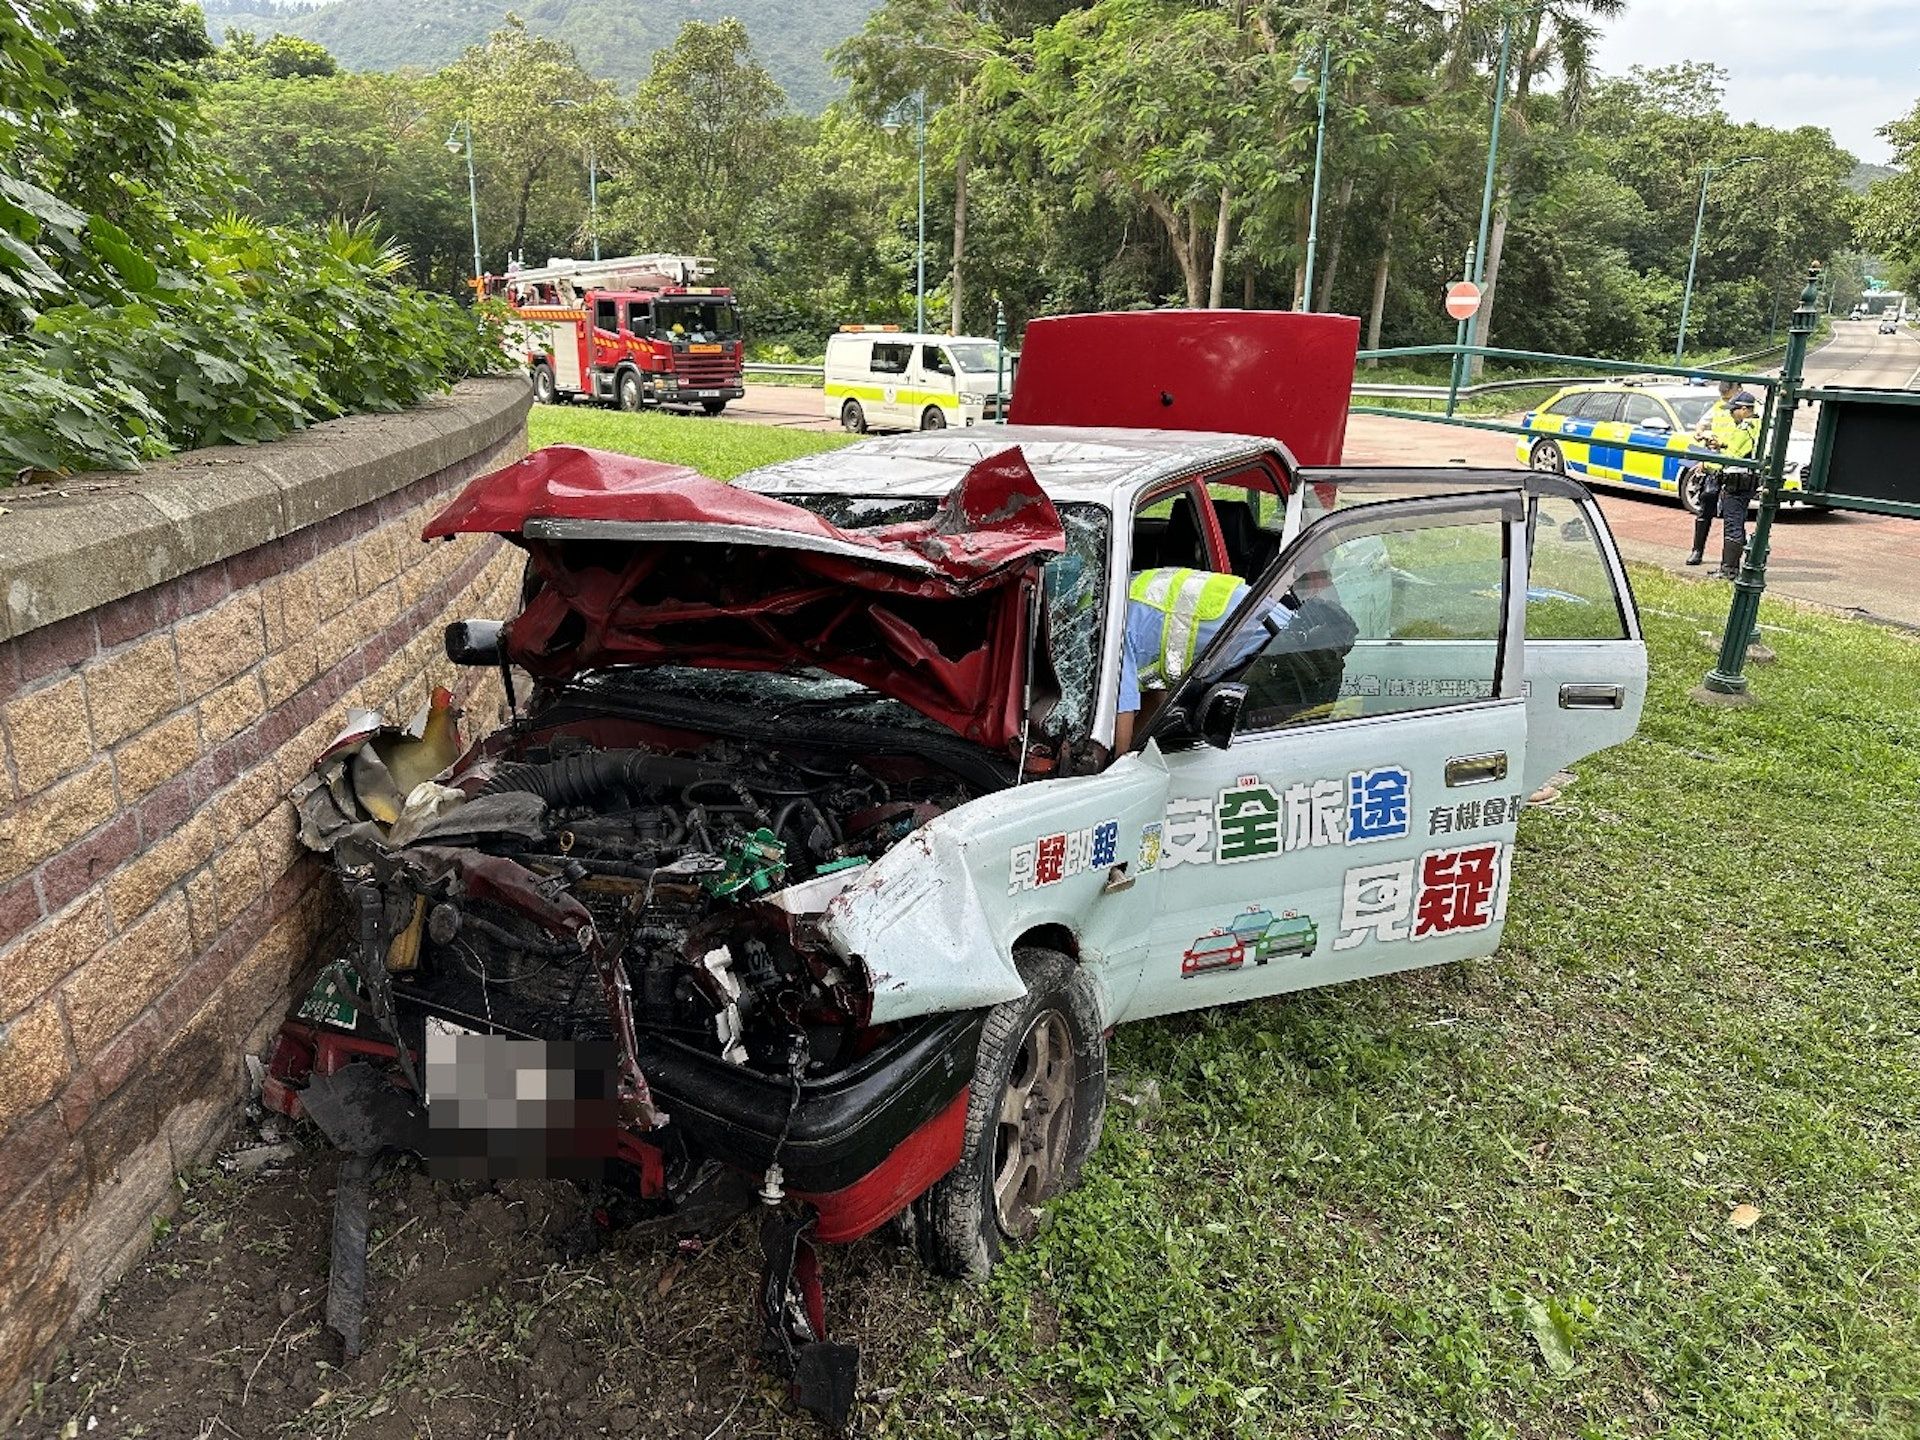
(1050, 935)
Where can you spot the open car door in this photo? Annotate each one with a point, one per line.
(1344, 758)
(1586, 663)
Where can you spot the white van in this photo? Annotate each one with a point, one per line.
(884, 379)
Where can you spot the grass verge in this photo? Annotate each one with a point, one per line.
(713, 447)
(1494, 1199)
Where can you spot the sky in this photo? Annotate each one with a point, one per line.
(1850, 65)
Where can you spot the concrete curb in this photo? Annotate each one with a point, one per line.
(71, 548)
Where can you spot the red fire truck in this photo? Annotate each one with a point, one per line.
(632, 331)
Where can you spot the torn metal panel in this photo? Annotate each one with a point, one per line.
(638, 568)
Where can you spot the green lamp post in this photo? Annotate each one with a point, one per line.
(1707, 172)
(464, 128)
(890, 125)
(1303, 81)
(1725, 684)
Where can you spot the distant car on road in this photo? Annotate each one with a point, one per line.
(1574, 427)
(1889, 327)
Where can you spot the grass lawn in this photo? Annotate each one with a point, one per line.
(713, 447)
(1494, 1199)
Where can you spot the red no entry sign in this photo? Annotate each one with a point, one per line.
(1463, 298)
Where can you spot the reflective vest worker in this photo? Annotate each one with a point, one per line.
(1173, 615)
(1741, 440)
(1710, 432)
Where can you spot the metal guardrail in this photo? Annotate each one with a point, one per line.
(816, 370)
(1387, 392)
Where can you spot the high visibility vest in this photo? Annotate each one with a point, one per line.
(1740, 438)
(1719, 422)
(1186, 599)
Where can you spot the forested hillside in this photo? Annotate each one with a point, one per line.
(615, 39)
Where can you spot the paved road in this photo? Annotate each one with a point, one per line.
(1847, 562)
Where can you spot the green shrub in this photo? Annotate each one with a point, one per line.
(135, 319)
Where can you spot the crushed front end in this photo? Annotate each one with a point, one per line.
(592, 944)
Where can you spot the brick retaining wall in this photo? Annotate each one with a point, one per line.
(156, 910)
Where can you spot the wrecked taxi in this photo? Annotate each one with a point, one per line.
(810, 816)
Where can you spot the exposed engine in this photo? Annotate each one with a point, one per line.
(672, 855)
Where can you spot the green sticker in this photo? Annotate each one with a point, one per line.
(332, 1003)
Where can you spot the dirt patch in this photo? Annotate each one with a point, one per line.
(483, 1319)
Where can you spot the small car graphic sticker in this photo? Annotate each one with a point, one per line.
(1255, 934)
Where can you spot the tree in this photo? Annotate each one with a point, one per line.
(282, 57)
(933, 52)
(532, 108)
(1158, 102)
(1890, 210)
(705, 146)
(1556, 35)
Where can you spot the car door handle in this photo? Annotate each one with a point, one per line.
(1592, 697)
(1477, 769)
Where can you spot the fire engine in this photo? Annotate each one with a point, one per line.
(631, 331)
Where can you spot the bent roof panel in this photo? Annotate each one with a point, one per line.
(1070, 463)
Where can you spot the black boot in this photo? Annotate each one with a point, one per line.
(1701, 526)
(1730, 553)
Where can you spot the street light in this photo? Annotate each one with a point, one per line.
(593, 182)
(1707, 172)
(892, 126)
(1299, 84)
(465, 127)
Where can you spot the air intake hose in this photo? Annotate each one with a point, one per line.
(589, 777)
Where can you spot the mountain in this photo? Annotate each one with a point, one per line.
(615, 39)
(1865, 174)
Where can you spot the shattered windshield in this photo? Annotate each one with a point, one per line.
(797, 693)
(1074, 583)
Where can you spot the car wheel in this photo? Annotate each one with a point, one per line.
(853, 418)
(1693, 490)
(933, 418)
(1546, 456)
(631, 395)
(544, 390)
(713, 407)
(1034, 1110)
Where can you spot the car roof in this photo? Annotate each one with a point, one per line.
(1677, 390)
(1103, 465)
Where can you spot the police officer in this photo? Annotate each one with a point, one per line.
(1709, 433)
(1739, 439)
(1173, 614)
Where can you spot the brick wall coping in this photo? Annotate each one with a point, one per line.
(68, 549)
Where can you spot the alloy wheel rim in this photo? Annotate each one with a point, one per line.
(1035, 1124)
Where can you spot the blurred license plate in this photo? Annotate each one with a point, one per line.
(708, 394)
(500, 1107)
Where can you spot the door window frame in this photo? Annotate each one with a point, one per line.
(1509, 503)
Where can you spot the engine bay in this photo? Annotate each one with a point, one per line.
(571, 882)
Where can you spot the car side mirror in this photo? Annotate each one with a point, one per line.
(1220, 713)
(1658, 426)
(475, 642)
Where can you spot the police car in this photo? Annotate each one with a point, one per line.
(1574, 428)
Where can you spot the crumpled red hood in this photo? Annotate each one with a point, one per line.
(641, 563)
